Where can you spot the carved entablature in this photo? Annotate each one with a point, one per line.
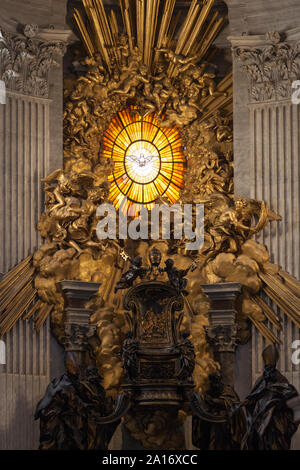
(272, 65)
(25, 61)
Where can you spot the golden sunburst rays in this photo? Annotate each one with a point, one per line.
(149, 161)
(212, 104)
(18, 298)
(149, 25)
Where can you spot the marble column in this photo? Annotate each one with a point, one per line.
(271, 64)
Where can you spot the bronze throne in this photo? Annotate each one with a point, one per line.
(158, 360)
(158, 357)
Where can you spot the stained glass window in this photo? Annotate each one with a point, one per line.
(149, 160)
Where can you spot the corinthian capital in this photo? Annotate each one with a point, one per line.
(272, 63)
(25, 60)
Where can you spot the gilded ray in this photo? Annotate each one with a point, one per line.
(149, 25)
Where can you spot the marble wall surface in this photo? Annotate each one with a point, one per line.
(266, 148)
(30, 147)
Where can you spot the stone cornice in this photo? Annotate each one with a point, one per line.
(25, 59)
(272, 63)
(261, 40)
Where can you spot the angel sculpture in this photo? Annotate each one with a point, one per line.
(95, 68)
(187, 357)
(181, 62)
(177, 276)
(270, 424)
(221, 126)
(206, 82)
(71, 219)
(259, 209)
(136, 270)
(230, 225)
(152, 101)
(123, 49)
(186, 112)
(156, 97)
(134, 62)
(129, 85)
(74, 184)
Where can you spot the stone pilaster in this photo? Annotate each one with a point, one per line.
(270, 65)
(25, 136)
(222, 331)
(30, 147)
(266, 158)
(77, 325)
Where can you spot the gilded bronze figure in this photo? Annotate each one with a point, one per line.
(270, 423)
(221, 400)
(70, 410)
(136, 270)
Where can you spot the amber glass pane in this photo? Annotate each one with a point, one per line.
(149, 160)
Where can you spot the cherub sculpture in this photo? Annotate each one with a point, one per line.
(136, 270)
(129, 85)
(123, 49)
(181, 62)
(150, 101)
(177, 276)
(186, 112)
(206, 82)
